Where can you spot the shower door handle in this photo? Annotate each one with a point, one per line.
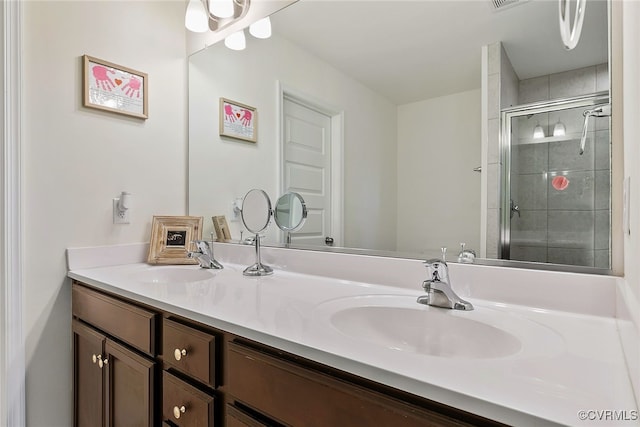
(514, 209)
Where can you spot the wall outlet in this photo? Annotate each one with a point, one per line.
(236, 208)
(120, 216)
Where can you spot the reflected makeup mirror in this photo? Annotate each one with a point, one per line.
(290, 214)
(256, 216)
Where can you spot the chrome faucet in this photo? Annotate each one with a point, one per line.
(438, 287)
(204, 255)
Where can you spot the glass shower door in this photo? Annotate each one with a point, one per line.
(556, 203)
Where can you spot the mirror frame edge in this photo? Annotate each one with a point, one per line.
(617, 136)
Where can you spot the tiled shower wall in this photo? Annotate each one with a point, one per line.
(502, 92)
(575, 222)
(563, 226)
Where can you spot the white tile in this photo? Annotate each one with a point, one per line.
(493, 149)
(493, 186)
(493, 66)
(534, 90)
(493, 96)
(493, 232)
(602, 77)
(572, 83)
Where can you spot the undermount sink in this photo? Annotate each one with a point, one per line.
(431, 331)
(171, 275)
(399, 323)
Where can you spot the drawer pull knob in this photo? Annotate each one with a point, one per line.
(179, 354)
(178, 411)
(98, 359)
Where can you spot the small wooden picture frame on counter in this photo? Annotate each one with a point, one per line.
(223, 234)
(171, 237)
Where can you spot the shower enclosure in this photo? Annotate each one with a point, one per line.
(556, 201)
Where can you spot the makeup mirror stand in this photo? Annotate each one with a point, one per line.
(258, 269)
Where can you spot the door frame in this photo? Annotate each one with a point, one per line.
(337, 151)
(12, 344)
(504, 246)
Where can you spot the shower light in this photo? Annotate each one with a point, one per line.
(261, 29)
(538, 132)
(236, 41)
(559, 129)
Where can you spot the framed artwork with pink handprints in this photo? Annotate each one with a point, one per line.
(114, 88)
(238, 120)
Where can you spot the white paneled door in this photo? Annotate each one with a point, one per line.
(306, 167)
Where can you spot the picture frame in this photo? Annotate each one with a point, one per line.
(221, 227)
(238, 121)
(110, 87)
(171, 238)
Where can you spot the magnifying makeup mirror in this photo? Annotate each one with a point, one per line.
(290, 213)
(256, 215)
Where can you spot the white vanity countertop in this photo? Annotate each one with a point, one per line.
(568, 362)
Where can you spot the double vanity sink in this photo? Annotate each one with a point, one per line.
(511, 363)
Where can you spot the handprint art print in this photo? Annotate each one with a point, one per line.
(114, 88)
(238, 120)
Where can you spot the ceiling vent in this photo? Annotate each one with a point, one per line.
(504, 4)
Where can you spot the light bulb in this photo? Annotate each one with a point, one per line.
(196, 18)
(236, 41)
(538, 132)
(559, 129)
(261, 29)
(221, 8)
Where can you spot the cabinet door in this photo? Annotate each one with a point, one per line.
(88, 346)
(129, 387)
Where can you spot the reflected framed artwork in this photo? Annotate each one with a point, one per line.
(171, 237)
(238, 121)
(111, 87)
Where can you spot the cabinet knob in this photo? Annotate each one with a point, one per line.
(95, 358)
(178, 411)
(179, 354)
(102, 363)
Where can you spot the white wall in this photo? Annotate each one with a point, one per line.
(76, 160)
(438, 147)
(223, 169)
(629, 306)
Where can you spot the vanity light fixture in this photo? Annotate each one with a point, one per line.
(261, 29)
(221, 8)
(214, 15)
(538, 132)
(559, 129)
(196, 18)
(236, 41)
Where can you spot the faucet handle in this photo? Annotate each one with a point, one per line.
(437, 268)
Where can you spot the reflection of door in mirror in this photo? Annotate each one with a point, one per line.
(563, 197)
(306, 167)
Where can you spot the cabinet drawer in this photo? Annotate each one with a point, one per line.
(298, 396)
(127, 322)
(193, 407)
(237, 417)
(189, 351)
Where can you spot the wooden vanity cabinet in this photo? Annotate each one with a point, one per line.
(189, 380)
(114, 383)
(203, 377)
(295, 393)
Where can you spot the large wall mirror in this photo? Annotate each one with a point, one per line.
(389, 118)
